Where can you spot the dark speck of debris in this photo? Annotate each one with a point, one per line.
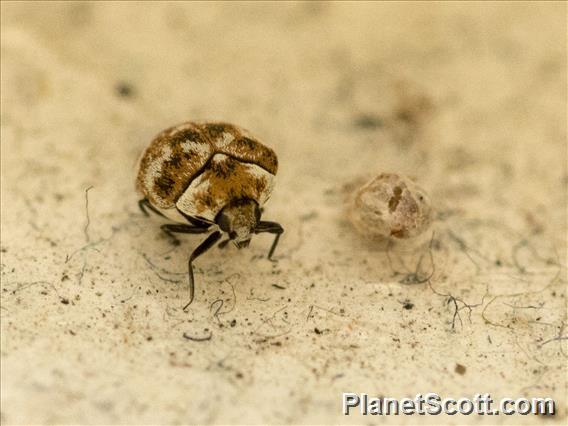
(65, 301)
(460, 369)
(309, 216)
(318, 331)
(279, 287)
(368, 122)
(149, 338)
(124, 89)
(239, 375)
(408, 305)
(198, 339)
(498, 262)
(404, 115)
(233, 323)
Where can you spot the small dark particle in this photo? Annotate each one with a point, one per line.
(65, 301)
(408, 305)
(239, 375)
(72, 333)
(498, 262)
(309, 216)
(149, 338)
(460, 369)
(198, 339)
(65, 277)
(233, 323)
(124, 89)
(368, 122)
(318, 331)
(405, 116)
(279, 287)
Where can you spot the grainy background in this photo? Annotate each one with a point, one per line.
(469, 99)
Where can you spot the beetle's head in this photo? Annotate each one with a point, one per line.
(239, 219)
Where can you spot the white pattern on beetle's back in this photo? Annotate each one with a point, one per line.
(180, 154)
(156, 164)
(249, 150)
(171, 161)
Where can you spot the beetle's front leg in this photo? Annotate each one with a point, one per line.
(271, 228)
(202, 248)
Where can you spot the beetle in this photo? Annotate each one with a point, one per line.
(208, 177)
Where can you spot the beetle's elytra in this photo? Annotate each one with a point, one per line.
(209, 177)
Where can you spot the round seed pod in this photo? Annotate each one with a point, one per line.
(390, 205)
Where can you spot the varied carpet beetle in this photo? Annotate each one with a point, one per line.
(390, 205)
(209, 177)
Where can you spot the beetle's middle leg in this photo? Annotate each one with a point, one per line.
(177, 228)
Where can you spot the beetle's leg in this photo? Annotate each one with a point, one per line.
(224, 243)
(271, 228)
(171, 228)
(201, 248)
(145, 204)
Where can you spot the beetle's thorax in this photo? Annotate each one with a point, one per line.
(239, 219)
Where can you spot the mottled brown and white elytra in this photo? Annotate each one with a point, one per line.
(205, 176)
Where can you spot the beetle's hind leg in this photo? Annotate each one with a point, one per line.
(271, 228)
(201, 248)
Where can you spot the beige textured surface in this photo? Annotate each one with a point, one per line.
(471, 100)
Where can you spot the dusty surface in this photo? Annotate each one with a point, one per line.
(469, 100)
